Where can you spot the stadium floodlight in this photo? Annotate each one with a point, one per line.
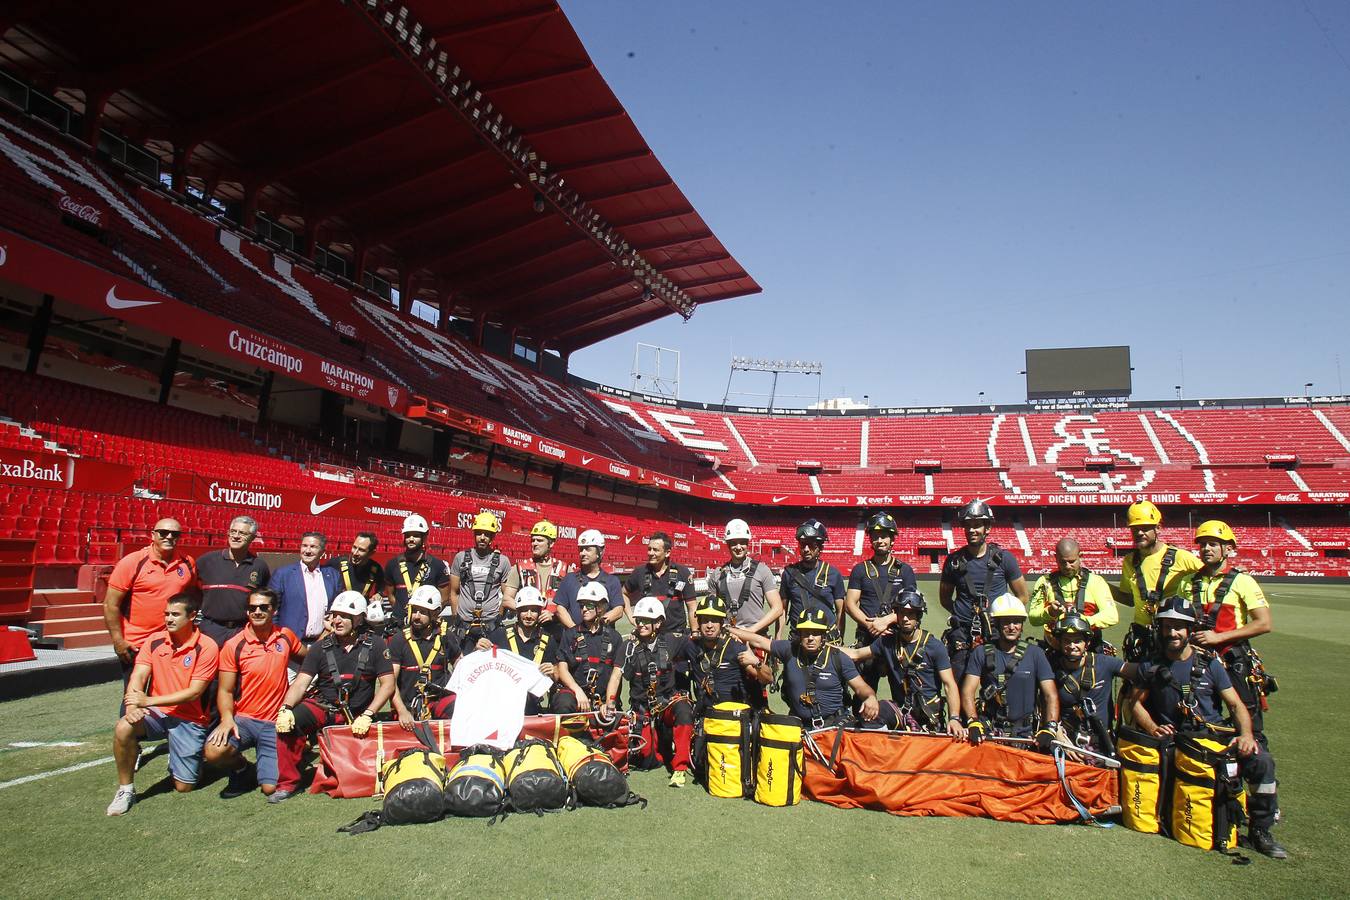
(797, 367)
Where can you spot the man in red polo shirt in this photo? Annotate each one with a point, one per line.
(140, 585)
(177, 663)
(253, 682)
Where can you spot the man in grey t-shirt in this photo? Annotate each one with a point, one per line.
(476, 578)
(747, 585)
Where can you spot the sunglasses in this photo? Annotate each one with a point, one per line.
(166, 533)
(266, 607)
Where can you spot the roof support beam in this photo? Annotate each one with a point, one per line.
(675, 264)
(439, 257)
(666, 243)
(436, 167)
(583, 122)
(628, 192)
(593, 332)
(442, 211)
(600, 161)
(473, 276)
(346, 143)
(650, 220)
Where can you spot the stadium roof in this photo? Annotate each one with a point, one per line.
(436, 146)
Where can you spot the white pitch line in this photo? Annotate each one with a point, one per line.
(41, 775)
(29, 745)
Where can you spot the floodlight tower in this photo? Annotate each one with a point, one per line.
(776, 367)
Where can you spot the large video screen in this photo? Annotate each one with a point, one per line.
(1078, 372)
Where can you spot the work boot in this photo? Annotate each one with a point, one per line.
(677, 779)
(1260, 840)
(242, 781)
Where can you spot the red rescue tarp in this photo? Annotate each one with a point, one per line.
(914, 775)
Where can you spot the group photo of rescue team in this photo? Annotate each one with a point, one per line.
(222, 656)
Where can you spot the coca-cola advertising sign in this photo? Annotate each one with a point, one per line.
(80, 209)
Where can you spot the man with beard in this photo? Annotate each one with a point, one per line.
(816, 678)
(811, 584)
(476, 579)
(413, 568)
(590, 556)
(915, 662)
(971, 577)
(721, 668)
(353, 679)
(423, 654)
(1004, 680)
(588, 652)
(1083, 678)
(528, 639)
(358, 571)
(543, 572)
(669, 582)
(667, 717)
(873, 586)
(1184, 695)
(1071, 588)
(1150, 572)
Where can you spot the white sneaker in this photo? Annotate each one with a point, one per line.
(122, 800)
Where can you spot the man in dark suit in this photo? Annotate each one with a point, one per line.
(305, 590)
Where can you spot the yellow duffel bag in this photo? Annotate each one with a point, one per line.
(1144, 761)
(476, 786)
(728, 750)
(414, 788)
(1209, 800)
(780, 760)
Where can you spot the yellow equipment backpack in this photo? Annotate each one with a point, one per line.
(595, 779)
(1209, 800)
(414, 788)
(1144, 762)
(476, 786)
(780, 760)
(725, 760)
(535, 779)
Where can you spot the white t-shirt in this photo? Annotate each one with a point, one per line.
(490, 687)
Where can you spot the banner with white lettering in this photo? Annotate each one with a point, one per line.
(56, 471)
(245, 496)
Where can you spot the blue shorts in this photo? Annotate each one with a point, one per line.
(187, 740)
(263, 737)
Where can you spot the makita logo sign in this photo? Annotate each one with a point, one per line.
(621, 471)
(723, 495)
(255, 348)
(552, 450)
(258, 499)
(524, 438)
(29, 470)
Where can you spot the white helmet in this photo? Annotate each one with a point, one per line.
(529, 596)
(591, 538)
(592, 592)
(350, 603)
(649, 608)
(375, 611)
(428, 597)
(1007, 605)
(737, 530)
(416, 523)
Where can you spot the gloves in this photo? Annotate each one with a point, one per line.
(361, 724)
(1045, 738)
(285, 720)
(978, 732)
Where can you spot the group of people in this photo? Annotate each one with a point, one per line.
(278, 656)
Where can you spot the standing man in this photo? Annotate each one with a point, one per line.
(253, 681)
(305, 590)
(873, 586)
(746, 586)
(414, 567)
(358, 571)
(353, 677)
(227, 577)
(812, 584)
(540, 571)
(1004, 680)
(590, 555)
(177, 663)
(670, 583)
(1233, 609)
(1072, 588)
(588, 652)
(140, 584)
(971, 577)
(919, 672)
(423, 654)
(476, 579)
(1185, 695)
(1151, 571)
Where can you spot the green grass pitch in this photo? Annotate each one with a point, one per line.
(58, 843)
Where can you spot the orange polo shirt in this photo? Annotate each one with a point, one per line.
(262, 670)
(172, 669)
(148, 584)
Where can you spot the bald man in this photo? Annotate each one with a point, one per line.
(1072, 587)
(140, 584)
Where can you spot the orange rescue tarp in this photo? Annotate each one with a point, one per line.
(913, 775)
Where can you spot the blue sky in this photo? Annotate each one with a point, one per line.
(926, 190)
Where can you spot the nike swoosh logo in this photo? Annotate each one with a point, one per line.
(116, 302)
(315, 507)
(781, 499)
(586, 460)
(1243, 498)
(629, 539)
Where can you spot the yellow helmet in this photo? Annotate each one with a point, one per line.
(486, 521)
(1143, 513)
(544, 528)
(1217, 530)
